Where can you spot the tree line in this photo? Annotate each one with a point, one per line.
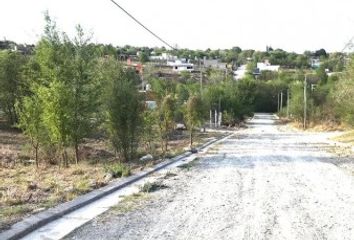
(70, 89)
(67, 91)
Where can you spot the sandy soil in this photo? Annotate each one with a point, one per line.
(260, 184)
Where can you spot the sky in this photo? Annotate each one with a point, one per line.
(292, 25)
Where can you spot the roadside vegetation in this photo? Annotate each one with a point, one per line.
(72, 118)
(73, 115)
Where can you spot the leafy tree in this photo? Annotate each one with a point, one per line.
(84, 90)
(12, 83)
(166, 121)
(56, 102)
(124, 109)
(194, 113)
(143, 57)
(149, 131)
(321, 73)
(30, 121)
(343, 95)
(162, 87)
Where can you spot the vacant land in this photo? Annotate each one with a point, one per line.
(25, 190)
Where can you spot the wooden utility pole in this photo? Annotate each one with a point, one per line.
(216, 118)
(201, 81)
(278, 103)
(305, 101)
(281, 100)
(211, 118)
(219, 113)
(287, 102)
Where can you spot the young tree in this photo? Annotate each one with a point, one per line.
(166, 121)
(12, 83)
(84, 90)
(124, 109)
(56, 103)
(143, 57)
(30, 121)
(343, 95)
(193, 115)
(149, 133)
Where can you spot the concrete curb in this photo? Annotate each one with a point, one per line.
(31, 223)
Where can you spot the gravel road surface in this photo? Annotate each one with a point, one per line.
(261, 183)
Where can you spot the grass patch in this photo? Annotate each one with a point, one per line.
(347, 137)
(152, 187)
(14, 210)
(129, 203)
(169, 175)
(119, 170)
(82, 186)
(189, 165)
(8, 215)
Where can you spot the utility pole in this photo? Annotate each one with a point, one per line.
(305, 101)
(219, 113)
(278, 103)
(211, 118)
(287, 103)
(201, 81)
(281, 100)
(216, 118)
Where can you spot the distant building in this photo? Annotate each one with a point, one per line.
(14, 47)
(240, 72)
(163, 57)
(315, 62)
(181, 65)
(266, 66)
(213, 63)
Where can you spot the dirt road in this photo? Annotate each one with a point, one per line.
(260, 184)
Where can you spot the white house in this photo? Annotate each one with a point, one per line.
(181, 65)
(315, 62)
(163, 57)
(266, 66)
(240, 72)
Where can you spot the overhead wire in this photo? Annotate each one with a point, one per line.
(142, 25)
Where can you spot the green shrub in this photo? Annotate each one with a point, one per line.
(81, 186)
(119, 170)
(149, 187)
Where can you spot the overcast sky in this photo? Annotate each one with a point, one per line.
(293, 25)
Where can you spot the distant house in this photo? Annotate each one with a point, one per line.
(14, 47)
(213, 63)
(163, 57)
(266, 66)
(240, 72)
(181, 65)
(315, 62)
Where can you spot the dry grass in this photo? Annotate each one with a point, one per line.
(25, 190)
(347, 137)
(313, 126)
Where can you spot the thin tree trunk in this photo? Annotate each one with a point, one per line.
(65, 158)
(166, 144)
(191, 138)
(77, 153)
(36, 155)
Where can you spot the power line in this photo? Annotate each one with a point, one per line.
(348, 45)
(138, 22)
